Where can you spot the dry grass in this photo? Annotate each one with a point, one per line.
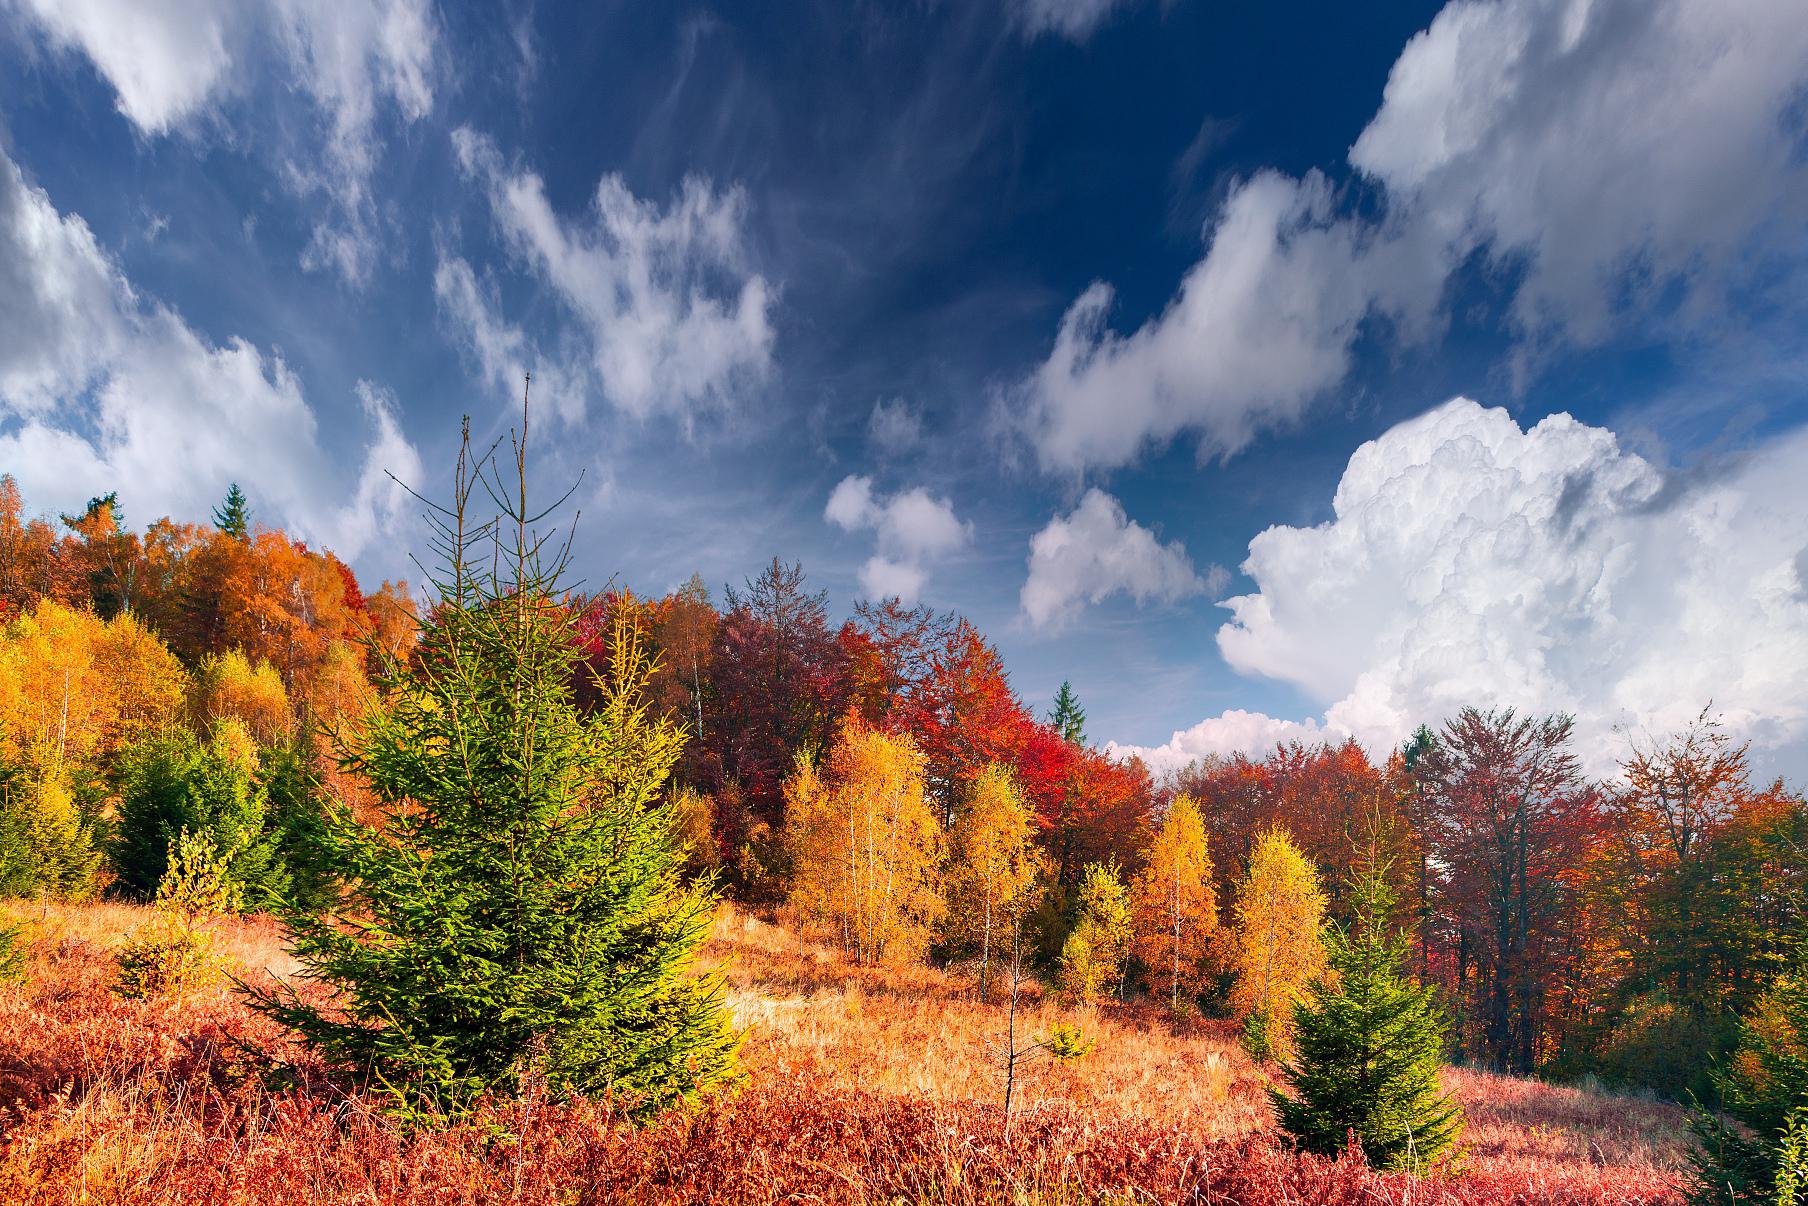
(865, 1086)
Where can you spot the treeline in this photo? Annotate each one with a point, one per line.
(884, 778)
(174, 680)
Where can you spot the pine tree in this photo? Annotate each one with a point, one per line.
(1369, 1042)
(517, 907)
(1068, 718)
(233, 516)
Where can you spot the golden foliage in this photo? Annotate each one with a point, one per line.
(866, 845)
(993, 868)
(231, 687)
(1174, 909)
(1276, 951)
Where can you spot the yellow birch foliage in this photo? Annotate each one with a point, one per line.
(231, 687)
(1174, 910)
(992, 870)
(1277, 951)
(866, 845)
(74, 687)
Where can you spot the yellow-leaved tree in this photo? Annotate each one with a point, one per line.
(1277, 950)
(865, 844)
(993, 868)
(1174, 911)
(74, 690)
(233, 687)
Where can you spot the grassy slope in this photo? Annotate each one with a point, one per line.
(864, 1086)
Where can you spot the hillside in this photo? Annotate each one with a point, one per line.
(864, 1085)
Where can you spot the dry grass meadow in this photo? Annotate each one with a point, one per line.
(863, 1086)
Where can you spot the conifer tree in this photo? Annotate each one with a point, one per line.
(1368, 1045)
(517, 907)
(233, 516)
(1068, 718)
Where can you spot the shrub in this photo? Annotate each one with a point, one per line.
(174, 951)
(1066, 1042)
(1762, 1086)
(12, 950)
(182, 782)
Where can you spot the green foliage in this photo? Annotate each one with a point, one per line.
(296, 819)
(1256, 1036)
(1068, 718)
(1792, 1161)
(519, 908)
(1369, 1043)
(233, 515)
(1745, 1149)
(180, 782)
(12, 950)
(48, 845)
(1066, 1042)
(174, 951)
(1659, 1045)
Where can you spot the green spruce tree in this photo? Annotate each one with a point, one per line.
(180, 782)
(1369, 1042)
(1068, 718)
(517, 906)
(233, 516)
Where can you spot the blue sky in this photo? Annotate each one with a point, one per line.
(1074, 316)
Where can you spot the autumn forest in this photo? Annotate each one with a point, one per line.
(216, 728)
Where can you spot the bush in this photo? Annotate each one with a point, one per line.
(1658, 1045)
(174, 951)
(12, 950)
(1751, 1149)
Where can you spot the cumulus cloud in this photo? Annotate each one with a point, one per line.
(1469, 561)
(674, 316)
(912, 530)
(101, 388)
(1234, 732)
(1605, 155)
(1098, 551)
(171, 65)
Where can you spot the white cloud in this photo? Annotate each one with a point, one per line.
(675, 318)
(172, 64)
(1469, 561)
(1072, 19)
(1617, 145)
(893, 427)
(1098, 551)
(913, 529)
(1605, 151)
(101, 389)
(503, 352)
(1233, 732)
